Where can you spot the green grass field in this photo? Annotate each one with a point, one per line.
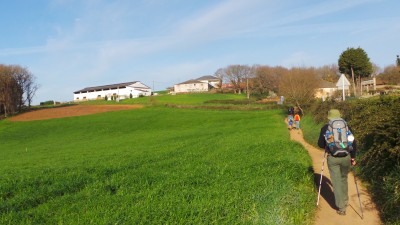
(155, 165)
(194, 100)
(180, 99)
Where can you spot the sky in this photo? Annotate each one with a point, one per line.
(72, 44)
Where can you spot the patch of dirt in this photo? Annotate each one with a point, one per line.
(326, 212)
(68, 111)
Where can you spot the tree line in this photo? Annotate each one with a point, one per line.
(17, 89)
(299, 84)
(391, 74)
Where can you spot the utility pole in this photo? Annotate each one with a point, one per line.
(354, 83)
(247, 87)
(344, 98)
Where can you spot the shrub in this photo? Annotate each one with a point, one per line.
(49, 102)
(375, 123)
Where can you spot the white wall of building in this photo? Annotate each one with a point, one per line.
(191, 87)
(213, 83)
(137, 89)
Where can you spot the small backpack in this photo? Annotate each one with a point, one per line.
(339, 138)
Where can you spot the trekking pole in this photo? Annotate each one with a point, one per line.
(320, 180)
(358, 193)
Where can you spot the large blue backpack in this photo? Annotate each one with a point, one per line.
(339, 138)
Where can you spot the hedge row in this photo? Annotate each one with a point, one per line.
(376, 124)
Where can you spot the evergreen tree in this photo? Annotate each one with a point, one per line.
(355, 62)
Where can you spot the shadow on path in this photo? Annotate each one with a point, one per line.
(326, 189)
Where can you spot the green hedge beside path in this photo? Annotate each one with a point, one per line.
(375, 123)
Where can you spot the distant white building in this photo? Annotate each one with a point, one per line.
(213, 81)
(326, 90)
(113, 91)
(201, 84)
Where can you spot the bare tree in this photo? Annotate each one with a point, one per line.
(220, 74)
(267, 79)
(376, 69)
(20, 75)
(329, 73)
(17, 87)
(26, 80)
(30, 90)
(391, 75)
(8, 91)
(298, 85)
(238, 76)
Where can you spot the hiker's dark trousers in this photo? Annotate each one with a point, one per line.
(339, 168)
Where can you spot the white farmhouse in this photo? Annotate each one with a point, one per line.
(213, 81)
(327, 89)
(201, 84)
(113, 91)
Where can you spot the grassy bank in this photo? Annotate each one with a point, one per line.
(179, 99)
(310, 130)
(195, 100)
(155, 165)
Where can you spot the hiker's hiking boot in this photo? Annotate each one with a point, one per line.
(342, 213)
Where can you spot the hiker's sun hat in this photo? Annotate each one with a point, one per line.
(333, 113)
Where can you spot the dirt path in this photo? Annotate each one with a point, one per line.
(68, 111)
(326, 213)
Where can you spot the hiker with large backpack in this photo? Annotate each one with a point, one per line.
(338, 141)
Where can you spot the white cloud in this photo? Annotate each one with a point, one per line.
(221, 20)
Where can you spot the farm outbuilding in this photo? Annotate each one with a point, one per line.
(119, 91)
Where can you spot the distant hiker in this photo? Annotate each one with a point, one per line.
(291, 110)
(339, 144)
(297, 120)
(290, 121)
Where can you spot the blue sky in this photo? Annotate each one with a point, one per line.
(72, 44)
